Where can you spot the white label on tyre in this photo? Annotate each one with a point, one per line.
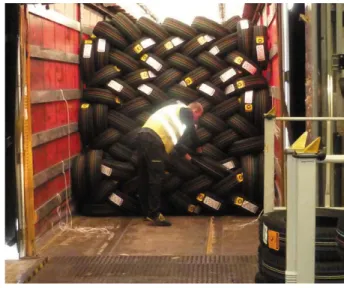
(207, 89)
(182, 83)
(147, 43)
(153, 63)
(229, 165)
(106, 170)
(101, 45)
(87, 51)
(244, 24)
(265, 234)
(229, 89)
(114, 198)
(208, 38)
(151, 74)
(215, 50)
(212, 203)
(260, 53)
(177, 41)
(249, 97)
(249, 68)
(250, 207)
(145, 89)
(115, 86)
(227, 75)
(201, 40)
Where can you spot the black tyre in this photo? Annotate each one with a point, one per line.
(152, 93)
(101, 50)
(211, 92)
(205, 104)
(79, 182)
(247, 105)
(228, 75)
(139, 77)
(152, 29)
(184, 94)
(182, 62)
(105, 189)
(246, 146)
(100, 118)
(210, 202)
(246, 84)
(211, 62)
(131, 187)
(117, 170)
(171, 184)
(213, 152)
(182, 168)
(167, 79)
(140, 47)
(242, 205)
(203, 135)
(262, 105)
(214, 124)
(135, 107)
(101, 96)
(250, 167)
(178, 28)
(122, 89)
(87, 60)
(260, 52)
(129, 205)
(245, 35)
(231, 24)
(153, 63)
(226, 108)
(210, 167)
(123, 61)
(242, 126)
(195, 77)
(93, 168)
(205, 25)
(225, 139)
(126, 26)
(100, 210)
(85, 122)
(228, 185)
(105, 30)
(130, 138)
(242, 62)
(197, 185)
(120, 152)
(340, 236)
(121, 122)
(106, 139)
(104, 75)
(142, 118)
(196, 45)
(168, 47)
(184, 204)
(224, 45)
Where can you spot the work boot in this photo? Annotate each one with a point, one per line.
(159, 220)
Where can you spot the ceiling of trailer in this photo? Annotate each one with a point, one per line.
(184, 12)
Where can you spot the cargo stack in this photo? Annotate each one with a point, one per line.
(130, 70)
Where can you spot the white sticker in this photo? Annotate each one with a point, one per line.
(115, 86)
(227, 75)
(244, 24)
(201, 40)
(265, 234)
(106, 170)
(250, 207)
(147, 43)
(114, 198)
(249, 68)
(87, 51)
(182, 83)
(177, 41)
(145, 89)
(229, 89)
(260, 53)
(212, 203)
(153, 63)
(151, 74)
(207, 89)
(249, 97)
(229, 165)
(101, 45)
(215, 50)
(208, 38)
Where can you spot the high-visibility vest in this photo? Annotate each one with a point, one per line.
(166, 123)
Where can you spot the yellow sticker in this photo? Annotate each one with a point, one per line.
(116, 68)
(240, 177)
(201, 40)
(200, 197)
(138, 49)
(144, 75)
(191, 208)
(93, 36)
(168, 45)
(144, 57)
(273, 240)
(88, 41)
(188, 81)
(259, 39)
(239, 100)
(117, 100)
(238, 201)
(85, 106)
(240, 84)
(248, 107)
(238, 60)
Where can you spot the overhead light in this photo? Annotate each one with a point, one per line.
(290, 6)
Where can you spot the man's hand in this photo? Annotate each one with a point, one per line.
(187, 157)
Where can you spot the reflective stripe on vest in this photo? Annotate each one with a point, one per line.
(166, 123)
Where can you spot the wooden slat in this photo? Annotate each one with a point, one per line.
(52, 134)
(273, 51)
(50, 54)
(46, 96)
(52, 172)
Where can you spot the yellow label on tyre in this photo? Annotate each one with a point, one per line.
(200, 197)
(144, 57)
(88, 42)
(259, 39)
(273, 240)
(138, 49)
(85, 106)
(238, 60)
(144, 75)
(168, 45)
(188, 81)
(240, 177)
(116, 68)
(240, 84)
(248, 107)
(191, 208)
(238, 201)
(239, 100)
(117, 100)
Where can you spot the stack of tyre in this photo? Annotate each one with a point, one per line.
(130, 70)
(329, 244)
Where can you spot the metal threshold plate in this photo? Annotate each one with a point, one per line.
(148, 269)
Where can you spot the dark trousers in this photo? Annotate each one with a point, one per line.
(151, 153)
